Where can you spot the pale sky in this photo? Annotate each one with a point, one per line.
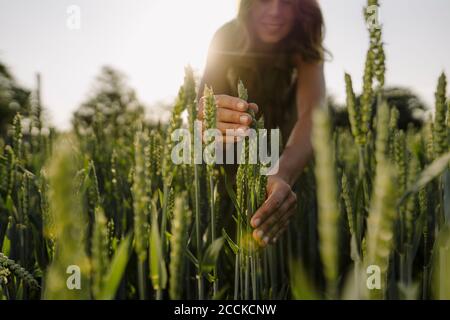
(152, 40)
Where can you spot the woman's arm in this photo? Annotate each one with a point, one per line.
(298, 150)
(231, 111)
(273, 217)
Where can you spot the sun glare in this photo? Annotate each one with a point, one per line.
(178, 33)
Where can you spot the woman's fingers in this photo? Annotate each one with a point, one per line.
(276, 227)
(264, 229)
(276, 198)
(231, 103)
(270, 227)
(231, 116)
(254, 107)
(236, 104)
(280, 232)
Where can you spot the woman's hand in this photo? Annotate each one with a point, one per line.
(231, 115)
(272, 218)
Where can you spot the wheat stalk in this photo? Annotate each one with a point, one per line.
(327, 198)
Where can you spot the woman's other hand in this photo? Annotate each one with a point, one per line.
(273, 217)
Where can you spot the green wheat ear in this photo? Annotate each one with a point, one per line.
(448, 118)
(17, 138)
(168, 168)
(400, 158)
(191, 105)
(380, 59)
(393, 123)
(353, 111)
(141, 201)
(410, 207)
(69, 224)
(393, 118)
(382, 138)
(380, 224)
(377, 47)
(240, 176)
(18, 271)
(327, 197)
(156, 151)
(189, 89)
(348, 203)
(428, 141)
(367, 95)
(242, 91)
(178, 244)
(210, 110)
(10, 170)
(243, 94)
(440, 134)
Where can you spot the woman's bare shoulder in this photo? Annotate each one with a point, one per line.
(225, 38)
(301, 64)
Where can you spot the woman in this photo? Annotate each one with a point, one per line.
(275, 48)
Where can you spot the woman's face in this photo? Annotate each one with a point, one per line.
(272, 20)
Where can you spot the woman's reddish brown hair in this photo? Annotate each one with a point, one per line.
(306, 38)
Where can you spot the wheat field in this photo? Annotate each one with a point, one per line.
(102, 212)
